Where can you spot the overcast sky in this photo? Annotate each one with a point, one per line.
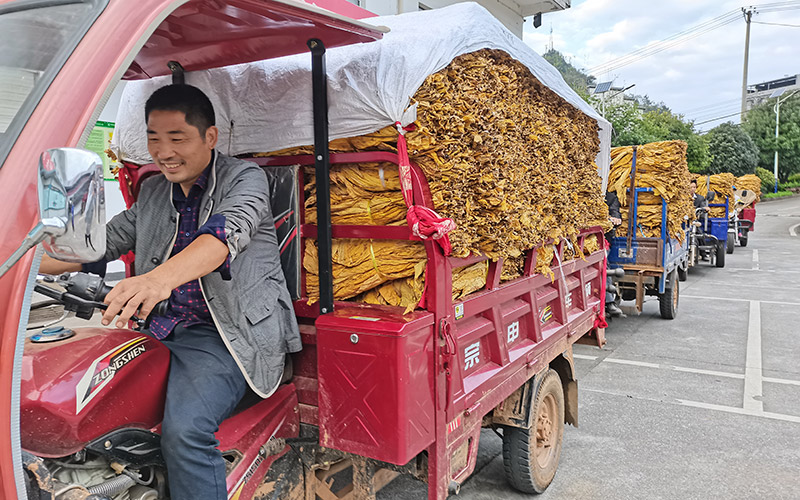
(701, 78)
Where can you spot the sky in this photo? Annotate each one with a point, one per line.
(700, 78)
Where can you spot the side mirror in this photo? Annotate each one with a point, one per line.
(72, 212)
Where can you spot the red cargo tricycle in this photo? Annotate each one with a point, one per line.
(375, 392)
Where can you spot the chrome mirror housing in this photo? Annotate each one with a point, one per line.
(72, 204)
(72, 212)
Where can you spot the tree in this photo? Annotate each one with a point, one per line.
(575, 78)
(760, 125)
(731, 150)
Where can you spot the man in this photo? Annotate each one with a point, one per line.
(615, 217)
(204, 238)
(699, 201)
(701, 209)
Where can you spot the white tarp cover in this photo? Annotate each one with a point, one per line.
(266, 106)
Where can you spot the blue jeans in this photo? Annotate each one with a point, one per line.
(204, 387)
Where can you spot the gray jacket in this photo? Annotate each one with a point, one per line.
(252, 311)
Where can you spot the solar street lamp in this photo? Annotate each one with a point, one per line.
(777, 95)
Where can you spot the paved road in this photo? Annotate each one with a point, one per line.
(704, 406)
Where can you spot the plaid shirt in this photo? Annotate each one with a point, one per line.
(186, 304)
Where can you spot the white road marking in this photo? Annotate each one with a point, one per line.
(780, 302)
(784, 381)
(713, 373)
(632, 362)
(753, 377)
(704, 406)
(741, 411)
(755, 259)
(793, 230)
(684, 369)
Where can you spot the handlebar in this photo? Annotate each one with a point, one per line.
(86, 292)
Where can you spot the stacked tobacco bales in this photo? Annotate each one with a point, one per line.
(661, 166)
(506, 158)
(722, 184)
(751, 182)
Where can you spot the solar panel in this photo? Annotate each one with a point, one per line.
(602, 87)
(778, 93)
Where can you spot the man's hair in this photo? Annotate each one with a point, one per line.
(693, 181)
(187, 99)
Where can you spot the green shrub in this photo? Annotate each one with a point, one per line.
(787, 185)
(767, 179)
(794, 177)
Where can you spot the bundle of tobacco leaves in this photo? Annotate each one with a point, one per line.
(361, 265)
(722, 184)
(662, 167)
(506, 158)
(750, 182)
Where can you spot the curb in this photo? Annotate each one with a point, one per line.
(767, 200)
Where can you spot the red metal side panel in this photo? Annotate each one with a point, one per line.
(375, 382)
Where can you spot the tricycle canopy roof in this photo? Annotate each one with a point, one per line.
(203, 34)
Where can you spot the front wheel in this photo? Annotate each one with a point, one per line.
(530, 456)
(743, 238)
(729, 244)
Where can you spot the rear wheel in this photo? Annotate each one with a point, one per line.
(668, 301)
(720, 262)
(530, 456)
(729, 244)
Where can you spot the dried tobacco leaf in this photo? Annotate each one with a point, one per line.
(661, 166)
(505, 157)
(722, 184)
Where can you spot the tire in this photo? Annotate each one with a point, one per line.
(683, 274)
(729, 245)
(720, 262)
(668, 301)
(743, 238)
(530, 456)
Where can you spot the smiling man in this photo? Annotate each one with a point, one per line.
(204, 239)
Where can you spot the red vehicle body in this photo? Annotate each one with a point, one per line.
(749, 213)
(378, 390)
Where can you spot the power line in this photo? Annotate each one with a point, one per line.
(728, 102)
(719, 118)
(668, 42)
(686, 35)
(778, 24)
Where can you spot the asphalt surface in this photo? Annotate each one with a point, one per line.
(704, 406)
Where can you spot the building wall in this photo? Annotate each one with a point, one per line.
(512, 14)
(756, 96)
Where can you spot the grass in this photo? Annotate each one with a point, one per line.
(779, 194)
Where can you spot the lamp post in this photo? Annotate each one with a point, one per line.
(777, 94)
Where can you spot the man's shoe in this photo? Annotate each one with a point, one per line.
(613, 310)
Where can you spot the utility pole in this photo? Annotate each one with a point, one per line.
(748, 15)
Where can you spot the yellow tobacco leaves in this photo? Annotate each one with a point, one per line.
(662, 167)
(507, 159)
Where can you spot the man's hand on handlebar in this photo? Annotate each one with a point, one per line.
(137, 295)
(615, 220)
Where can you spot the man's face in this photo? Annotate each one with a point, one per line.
(692, 188)
(177, 148)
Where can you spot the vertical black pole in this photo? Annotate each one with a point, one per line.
(322, 165)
